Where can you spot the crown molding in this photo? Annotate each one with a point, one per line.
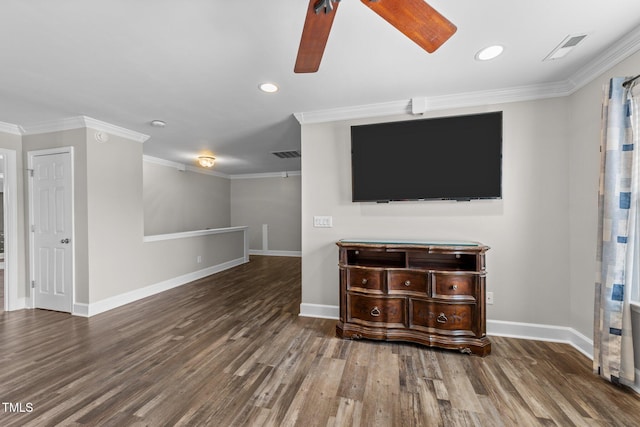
(115, 130)
(354, 112)
(207, 172)
(163, 162)
(57, 125)
(498, 96)
(284, 174)
(620, 50)
(81, 122)
(441, 102)
(10, 128)
(182, 167)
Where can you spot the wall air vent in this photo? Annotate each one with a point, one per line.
(291, 154)
(566, 46)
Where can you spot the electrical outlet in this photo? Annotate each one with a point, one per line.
(489, 298)
(199, 259)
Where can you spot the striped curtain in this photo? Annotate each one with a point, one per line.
(617, 203)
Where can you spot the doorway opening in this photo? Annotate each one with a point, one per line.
(10, 298)
(2, 203)
(51, 254)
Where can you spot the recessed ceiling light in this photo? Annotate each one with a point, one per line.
(268, 87)
(158, 123)
(489, 53)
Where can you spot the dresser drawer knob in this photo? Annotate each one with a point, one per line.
(407, 282)
(454, 287)
(364, 281)
(442, 318)
(375, 312)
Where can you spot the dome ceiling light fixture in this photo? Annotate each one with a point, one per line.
(206, 161)
(158, 123)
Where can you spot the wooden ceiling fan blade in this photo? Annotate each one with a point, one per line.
(416, 20)
(315, 34)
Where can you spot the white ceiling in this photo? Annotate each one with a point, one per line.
(197, 65)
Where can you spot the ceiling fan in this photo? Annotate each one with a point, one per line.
(414, 18)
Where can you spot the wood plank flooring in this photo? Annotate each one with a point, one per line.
(1, 291)
(230, 350)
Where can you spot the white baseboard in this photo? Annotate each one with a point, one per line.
(634, 386)
(275, 253)
(533, 331)
(529, 331)
(19, 304)
(80, 309)
(88, 310)
(320, 311)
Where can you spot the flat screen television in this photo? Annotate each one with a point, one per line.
(444, 158)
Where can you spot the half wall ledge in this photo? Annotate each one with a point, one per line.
(205, 232)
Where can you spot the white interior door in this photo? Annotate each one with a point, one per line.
(51, 213)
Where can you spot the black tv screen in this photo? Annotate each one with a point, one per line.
(454, 158)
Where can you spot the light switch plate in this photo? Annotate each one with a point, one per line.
(323, 221)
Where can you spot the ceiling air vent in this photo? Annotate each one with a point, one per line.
(291, 154)
(566, 46)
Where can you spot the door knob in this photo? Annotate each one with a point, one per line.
(65, 241)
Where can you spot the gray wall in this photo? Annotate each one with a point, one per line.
(541, 267)
(176, 201)
(114, 211)
(527, 231)
(274, 201)
(112, 258)
(116, 229)
(584, 154)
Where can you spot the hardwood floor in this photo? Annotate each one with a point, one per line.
(230, 350)
(1, 290)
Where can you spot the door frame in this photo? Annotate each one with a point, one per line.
(30, 156)
(10, 200)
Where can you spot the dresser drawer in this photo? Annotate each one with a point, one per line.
(452, 319)
(365, 279)
(407, 281)
(455, 285)
(376, 311)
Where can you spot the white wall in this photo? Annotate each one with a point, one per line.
(528, 231)
(274, 201)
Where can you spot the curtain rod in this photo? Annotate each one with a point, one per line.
(631, 80)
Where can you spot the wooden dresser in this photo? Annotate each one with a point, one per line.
(432, 293)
